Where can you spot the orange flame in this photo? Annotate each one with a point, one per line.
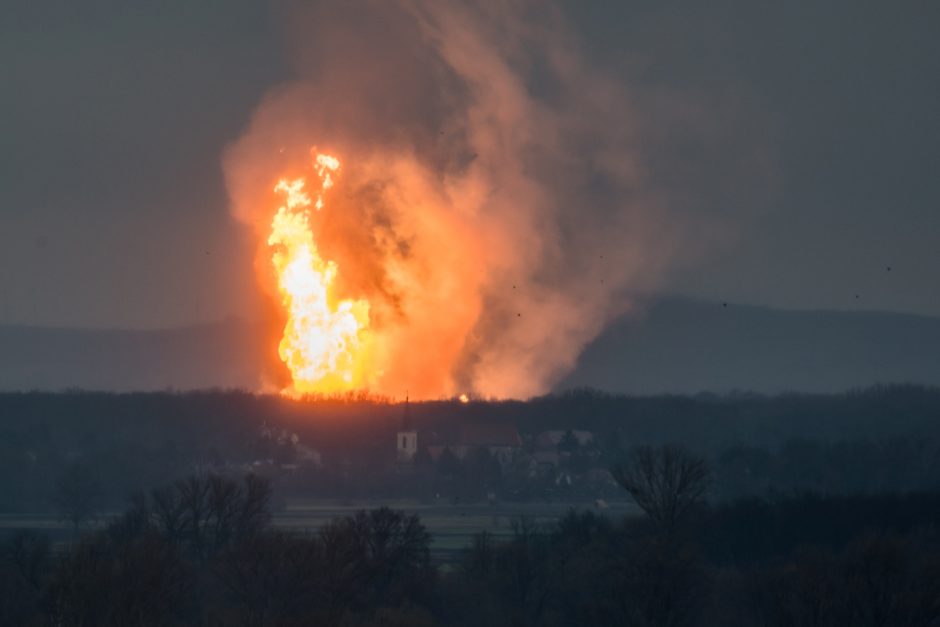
(325, 343)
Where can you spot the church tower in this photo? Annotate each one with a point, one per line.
(407, 438)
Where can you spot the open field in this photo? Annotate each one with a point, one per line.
(452, 525)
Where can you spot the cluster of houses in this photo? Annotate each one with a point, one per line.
(554, 457)
(545, 454)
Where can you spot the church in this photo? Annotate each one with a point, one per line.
(499, 439)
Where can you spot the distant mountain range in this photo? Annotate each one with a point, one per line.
(680, 345)
(225, 354)
(668, 345)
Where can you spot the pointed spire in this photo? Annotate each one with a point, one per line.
(406, 415)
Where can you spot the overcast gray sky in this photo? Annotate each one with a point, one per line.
(813, 125)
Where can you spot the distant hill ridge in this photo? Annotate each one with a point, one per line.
(681, 345)
(667, 345)
(224, 354)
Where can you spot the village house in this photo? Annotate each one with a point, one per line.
(549, 440)
(501, 440)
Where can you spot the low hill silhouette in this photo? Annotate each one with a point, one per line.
(686, 346)
(669, 345)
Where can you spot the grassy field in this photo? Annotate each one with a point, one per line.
(452, 525)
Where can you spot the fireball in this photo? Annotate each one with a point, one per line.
(326, 341)
(472, 236)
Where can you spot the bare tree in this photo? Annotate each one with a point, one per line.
(77, 495)
(107, 580)
(169, 512)
(193, 493)
(666, 482)
(274, 578)
(26, 562)
(212, 512)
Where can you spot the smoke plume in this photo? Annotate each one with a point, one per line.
(492, 207)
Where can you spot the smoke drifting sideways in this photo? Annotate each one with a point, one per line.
(493, 207)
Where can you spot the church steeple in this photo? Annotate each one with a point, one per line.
(406, 415)
(407, 438)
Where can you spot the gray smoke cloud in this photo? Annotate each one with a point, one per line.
(497, 205)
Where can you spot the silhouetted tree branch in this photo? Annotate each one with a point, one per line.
(77, 495)
(666, 482)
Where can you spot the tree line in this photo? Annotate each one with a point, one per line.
(868, 441)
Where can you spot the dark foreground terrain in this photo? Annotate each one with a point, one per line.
(202, 551)
(227, 508)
